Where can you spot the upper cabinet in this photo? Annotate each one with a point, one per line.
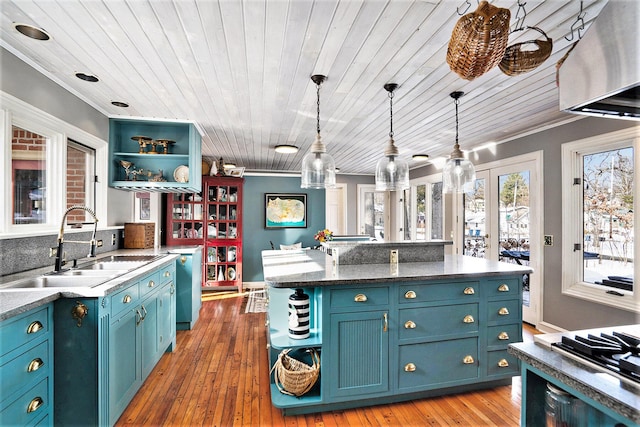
(149, 155)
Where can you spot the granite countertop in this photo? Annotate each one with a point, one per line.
(602, 387)
(14, 301)
(310, 268)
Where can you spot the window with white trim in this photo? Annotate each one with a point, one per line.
(598, 219)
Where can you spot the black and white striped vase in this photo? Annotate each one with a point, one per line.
(299, 315)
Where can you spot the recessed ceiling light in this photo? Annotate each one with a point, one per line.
(120, 104)
(420, 157)
(286, 149)
(31, 31)
(87, 77)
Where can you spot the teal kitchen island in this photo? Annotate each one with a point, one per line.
(389, 332)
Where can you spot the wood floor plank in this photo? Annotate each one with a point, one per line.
(218, 375)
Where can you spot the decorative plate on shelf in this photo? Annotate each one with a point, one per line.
(181, 174)
(231, 273)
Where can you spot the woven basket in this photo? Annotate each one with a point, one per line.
(517, 61)
(294, 377)
(478, 41)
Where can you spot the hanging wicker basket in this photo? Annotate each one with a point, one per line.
(520, 58)
(294, 377)
(478, 41)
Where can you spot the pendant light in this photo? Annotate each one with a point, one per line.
(392, 173)
(458, 175)
(318, 167)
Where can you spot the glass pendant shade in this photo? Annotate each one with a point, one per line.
(318, 167)
(458, 174)
(392, 172)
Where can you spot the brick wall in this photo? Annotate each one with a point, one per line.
(76, 178)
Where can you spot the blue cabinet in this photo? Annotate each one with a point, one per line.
(26, 368)
(188, 287)
(390, 342)
(150, 168)
(103, 361)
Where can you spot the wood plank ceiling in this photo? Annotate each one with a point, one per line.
(240, 70)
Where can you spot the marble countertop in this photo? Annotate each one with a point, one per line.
(602, 387)
(310, 268)
(14, 301)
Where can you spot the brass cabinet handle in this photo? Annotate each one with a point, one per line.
(151, 284)
(409, 367)
(78, 312)
(503, 336)
(183, 260)
(468, 359)
(503, 311)
(167, 273)
(34, 327)
(138, 317)
(35, 364)
(385, 324)
(35, 403)
(173, 289)
(409, 324)
(410, 295)
(468, 319)
(126, 299)
(360, 298)
(469, 291)
(503, 288)
(145, 312)
(503, 363)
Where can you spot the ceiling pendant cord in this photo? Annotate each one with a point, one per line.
(318, 108)
(390, 114)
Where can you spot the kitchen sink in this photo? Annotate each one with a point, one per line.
(94, 272)
(59, 281)
(119, 262)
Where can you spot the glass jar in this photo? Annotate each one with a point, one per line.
(563, 409)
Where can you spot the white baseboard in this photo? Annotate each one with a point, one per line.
(549, 328)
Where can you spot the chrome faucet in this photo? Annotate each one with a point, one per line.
(93, 243)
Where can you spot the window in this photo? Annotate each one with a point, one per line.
(598, 231)
(46, 170)
(428, 211)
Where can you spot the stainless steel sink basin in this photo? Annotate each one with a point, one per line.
(119, 262)
(58, 281)
(94, 273)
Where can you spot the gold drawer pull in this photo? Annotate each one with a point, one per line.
(409, 367)
(35, 364)
(360, 298)
(503, 363)
(503, 288)
(167, 273)
(151, 284)
(35, 403)
(126, 299)
(410, 295)
(469, 291)
(468, 360)
(34, 327)
(183, 260)
(503, 311)
(468, 319)
(503, 336)
(409, 324)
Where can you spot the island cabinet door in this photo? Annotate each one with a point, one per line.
(358, 355)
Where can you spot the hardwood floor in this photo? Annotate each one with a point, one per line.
(218, 376)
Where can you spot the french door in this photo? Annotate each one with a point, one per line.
(502, 222)
(373, 212)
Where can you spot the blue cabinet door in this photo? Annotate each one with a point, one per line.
(188, 289)
(149, 328)
(357, 357)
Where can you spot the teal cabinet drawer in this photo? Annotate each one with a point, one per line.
(509, 286)
(124, 300)
(502, 312)
(149, 284)
(359, 298)
(429, 364)
(501, 335)
(501, 363)
(29, 367)
(23, 329)
(167, 273)
(437, 321)
(27, 408)
(460, 291)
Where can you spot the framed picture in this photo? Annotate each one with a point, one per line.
(285, 210)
